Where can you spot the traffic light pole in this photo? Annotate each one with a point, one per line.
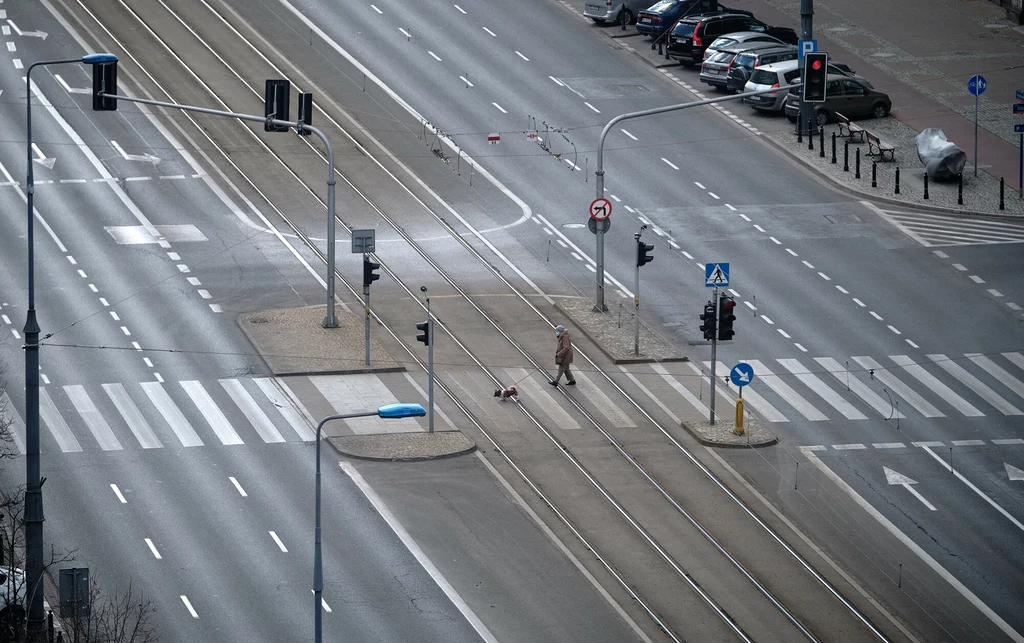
(430, 369)
(366, 322)
(807, 118)
(714, 359)
(636, 298)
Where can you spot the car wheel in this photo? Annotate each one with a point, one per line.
(822, 117)
(879, 110)
(626, 17)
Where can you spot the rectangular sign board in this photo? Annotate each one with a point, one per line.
(1020, 94)
(1019, 127)
(1018, 108)
(362, 241)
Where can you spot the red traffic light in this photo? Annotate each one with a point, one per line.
(816, 65)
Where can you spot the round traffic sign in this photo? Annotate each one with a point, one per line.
(599, 225)
(600, 209)
(976, 85)
(742, 374)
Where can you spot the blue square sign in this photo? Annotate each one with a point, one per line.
(716, 275)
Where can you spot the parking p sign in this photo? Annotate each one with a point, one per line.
(809, 46)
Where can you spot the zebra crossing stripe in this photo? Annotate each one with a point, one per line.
(998, 372)
(598, 398)
(1016, 358)
(682, 390)
(859, 388)
(18, 425)
(823, 390)
(923, 406)
(786, 392)
(548, 404)
(163, 403)
(211, 412)
(132, 416)
(93, 418)
(280, 399)
(55, 423)
(751, 397)
(983, 390)
(929, 380)
(257, 418)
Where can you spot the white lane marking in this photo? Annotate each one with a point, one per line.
(188, 605)
(848, 447)
(548, 404)
(888, 445)
(670, 163)
(912, 344)
(55, 423)
(730, 207)
(823, 390)
(163, 403)
(994, 292)
(72, 260)
(767, 411)
(687, 255)
(790, 251)
(859, 388)
(808, 264)
(700, 185)
(884, 376)
(758, 228)
(679, 388)
(132, 416)
(114, 316)
(943, 391)
(615, 198)
(374, 7)
(241, 491)
(408, 36)
(940, 254)
(975, 489)
(257, 418)
(630, 135)
(124, 329)
(278, 541)
(896, 478)
(716, 197)
(592, 107)
(520, 54)
(500, 108)
(434, 56)
(205, 294)
(117, 492)
(82, 274)
(976, 279)
(768, 320)
(1013, 306)
(152, 548)
(287, 404)
(418, 554)
(960, 267)
(824, 276)
(775, 241)
(894, 329)
(875, 315)
(998, 372)
(784, 334)
(461, 10)
(842, 290)
(859, 303)
(745, 217)
(1009, 441)
(786, 392)
(750, 305)
(909, 543)
(211, 412)
(490, 32)
(557, 82)
(1016, 358)
(968, 443)
(323, 602)
(466, 80)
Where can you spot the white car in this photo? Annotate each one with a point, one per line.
(617, 11)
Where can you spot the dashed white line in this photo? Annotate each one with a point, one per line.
(82, 274)
(630, 135)
(238, 486)
(434, 56)
(114, 315)
(72, 260)
(758, 228)
(490, 32)
(783, 333)
(911, 342)
(216, 308)
(824, 276)
(800, 347)
(730, 207)
(374, 7)
(960, 267)
(136, 346)
(790, 251)
(500, 108)
(808, 264)
(93, 288)
(405, 33)
(733, 292)
(670, 163)
(875, 315)
(576, 257)
(152, 548)
(750, 305)
(675, 246)
(777, 242)
(148, 362)
(194, 281)
(522, 56)
(767, 320)
(615, 198)
(174, 256)
(205, 294)
(591, 268)
(745, 217)
(188, 605)
(1013, 306)
(562, 243)
(859, 303)
(463, 11)
(183, 268)
(125, 330)
(842, 290)
(629, 209)
(687, 255)
(120, 496)
(466, 80)
(698, 184)
(968, 443)
(848, 447)
(715, 196)
(1008, 441)
(894, 329)
(278, 541)
(557, 82)
(940, 254)
(994, 292)
(888, 445)
(976, 279)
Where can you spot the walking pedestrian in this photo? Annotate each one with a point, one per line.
(563, 356)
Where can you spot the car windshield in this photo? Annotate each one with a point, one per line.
(722, 57)
(763, 77)
(758, 28)
(745, 60)
(683, 29)
(662, 6)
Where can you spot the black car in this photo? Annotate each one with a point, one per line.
(692, 34)
(659, 18)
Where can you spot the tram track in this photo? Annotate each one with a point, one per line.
(528, 358)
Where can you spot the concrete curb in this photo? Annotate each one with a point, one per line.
(404, 447)
(721, 435)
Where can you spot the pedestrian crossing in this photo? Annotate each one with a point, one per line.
(934, 229)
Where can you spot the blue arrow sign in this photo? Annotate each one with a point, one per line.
(1018, 108)
(976, 85)
(808, 46)
(742, 374)
(716, 274)
(1020, 94)
(1019, 127)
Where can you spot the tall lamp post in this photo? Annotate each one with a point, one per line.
(391, 412)
(33, 483)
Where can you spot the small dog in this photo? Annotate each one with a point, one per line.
(510, 393)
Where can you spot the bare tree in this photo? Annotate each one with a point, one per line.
(118, 617)
(7, 446)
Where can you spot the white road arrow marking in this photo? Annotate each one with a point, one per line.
(31, 34)
(896, 478)
(68, 88)
(1013, 473)
(148, 158)
(42, 159)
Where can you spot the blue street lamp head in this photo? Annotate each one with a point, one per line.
(394, 411)
(95, 59)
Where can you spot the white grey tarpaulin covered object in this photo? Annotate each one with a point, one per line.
(942, 159)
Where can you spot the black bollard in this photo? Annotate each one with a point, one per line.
(810, 137)
(846, 156)
(857, 159)
(925, 185)
(821, 142)
(799, 129)
(659, 47)
(897, 180)
(874, 174)
(833, 148)
(1002, 204)
(666, 52)
(653, 43)
(960, 189)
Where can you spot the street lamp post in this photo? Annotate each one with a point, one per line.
(34, 483)
(391, 411)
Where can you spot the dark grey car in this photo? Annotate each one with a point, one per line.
(617, 11)
(846, 96)
(744, 64)
(715, 70)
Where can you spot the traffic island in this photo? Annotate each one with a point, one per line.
(721, 434)
(613, 332)
(293, 341)
(403, 447)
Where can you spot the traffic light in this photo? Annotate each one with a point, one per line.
(104, 81)
(277, 104)
(708, 317)
(726, 316)
(369, 276)
(814, 75)
(424, 335)
(643, 253)
(305, 112)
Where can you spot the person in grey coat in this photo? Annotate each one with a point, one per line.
(563, 356)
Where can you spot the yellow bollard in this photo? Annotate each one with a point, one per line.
(738, 429)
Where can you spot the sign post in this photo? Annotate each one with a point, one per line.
(741, 375)
(715, 275)
(1019, 128)
(363, 241)
(976, 85)
(600, 210)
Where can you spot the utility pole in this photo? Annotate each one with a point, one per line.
(807, 117)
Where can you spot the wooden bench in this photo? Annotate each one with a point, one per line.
(877, 147)
(853, 131)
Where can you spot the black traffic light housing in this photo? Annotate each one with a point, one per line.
(277, 104)
(708, 317)
(424, 336)
(644, 252)
(726, 316)
(369, 276)
(814, 77)
(305, 112)
(104, 81)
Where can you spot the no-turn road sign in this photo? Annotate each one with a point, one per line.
(600, 209)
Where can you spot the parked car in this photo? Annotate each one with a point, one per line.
(715, 70)
(691, 35)
(741, 69)
(843, 94)
(738, 38)
(659, 18)
(617, 11)
(781, 74)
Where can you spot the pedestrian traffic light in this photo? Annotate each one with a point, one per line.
(726, 316)
(644, 253)
(369, 276)
(104, 81)
(424, 335)
(708, 317)
(814, 77)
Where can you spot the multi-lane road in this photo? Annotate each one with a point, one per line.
(886, 343)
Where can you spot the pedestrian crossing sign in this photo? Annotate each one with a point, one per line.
(716, 274)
